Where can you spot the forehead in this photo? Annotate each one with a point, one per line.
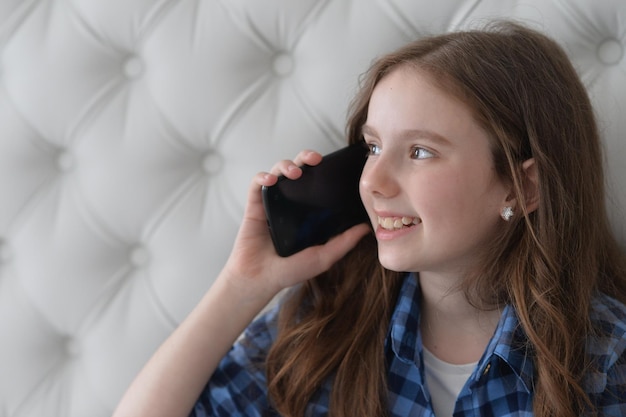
(408, 99)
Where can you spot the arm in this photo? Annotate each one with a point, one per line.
(174, 377)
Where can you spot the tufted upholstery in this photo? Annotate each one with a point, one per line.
(129, 132)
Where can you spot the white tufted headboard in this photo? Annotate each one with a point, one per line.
(130, 130)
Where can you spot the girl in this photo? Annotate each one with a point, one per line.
(491, 284)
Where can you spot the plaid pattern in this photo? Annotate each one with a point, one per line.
(501, 385)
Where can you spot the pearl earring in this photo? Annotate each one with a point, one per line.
(507, 213)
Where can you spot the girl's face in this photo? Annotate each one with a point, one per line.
(429, 184)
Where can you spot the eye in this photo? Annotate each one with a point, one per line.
(421, 153)
(373, 149)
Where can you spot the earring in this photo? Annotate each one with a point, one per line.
(507, 213)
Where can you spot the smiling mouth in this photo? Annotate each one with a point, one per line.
(397, 223)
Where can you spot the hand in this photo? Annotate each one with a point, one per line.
(254, 265)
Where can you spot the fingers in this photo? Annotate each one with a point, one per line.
(288, 168)
(321, 258)
(308, 157)
(291, 168)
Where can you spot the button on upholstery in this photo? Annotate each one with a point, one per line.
(139, 256)
(71, 346)
(65, 161)
(283, 64)
(212, 163)
(610, 51)
(133, 67)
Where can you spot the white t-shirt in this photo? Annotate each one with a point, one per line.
(445, 381)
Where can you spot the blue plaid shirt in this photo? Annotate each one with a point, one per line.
(501, 385)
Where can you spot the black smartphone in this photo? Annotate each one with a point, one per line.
(322, 203)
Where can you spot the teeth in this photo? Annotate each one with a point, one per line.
(386, 223)
(393, 223)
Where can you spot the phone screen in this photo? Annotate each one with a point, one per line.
(322, 203)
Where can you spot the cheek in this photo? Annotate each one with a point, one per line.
(453, 196)
(439, 191)
(366, 200)
(363, 194)
(365, 185)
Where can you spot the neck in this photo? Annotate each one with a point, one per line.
(453, 329)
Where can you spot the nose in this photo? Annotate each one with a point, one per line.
(379, 178)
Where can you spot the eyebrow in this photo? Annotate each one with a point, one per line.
(411, 134)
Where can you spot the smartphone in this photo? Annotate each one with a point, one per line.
(322, 203)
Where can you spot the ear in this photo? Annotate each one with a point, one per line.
(531, 184)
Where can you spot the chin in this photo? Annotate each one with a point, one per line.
(396, 262)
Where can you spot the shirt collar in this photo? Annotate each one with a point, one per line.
(404, 335)
(508, 343)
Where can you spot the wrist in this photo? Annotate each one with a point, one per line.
(248, 296)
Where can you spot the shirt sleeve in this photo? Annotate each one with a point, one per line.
(238, 386)
(609, 394)
(613, 400)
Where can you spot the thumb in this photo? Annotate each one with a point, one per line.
(322, 257)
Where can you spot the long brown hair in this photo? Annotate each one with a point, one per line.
(548, 264)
